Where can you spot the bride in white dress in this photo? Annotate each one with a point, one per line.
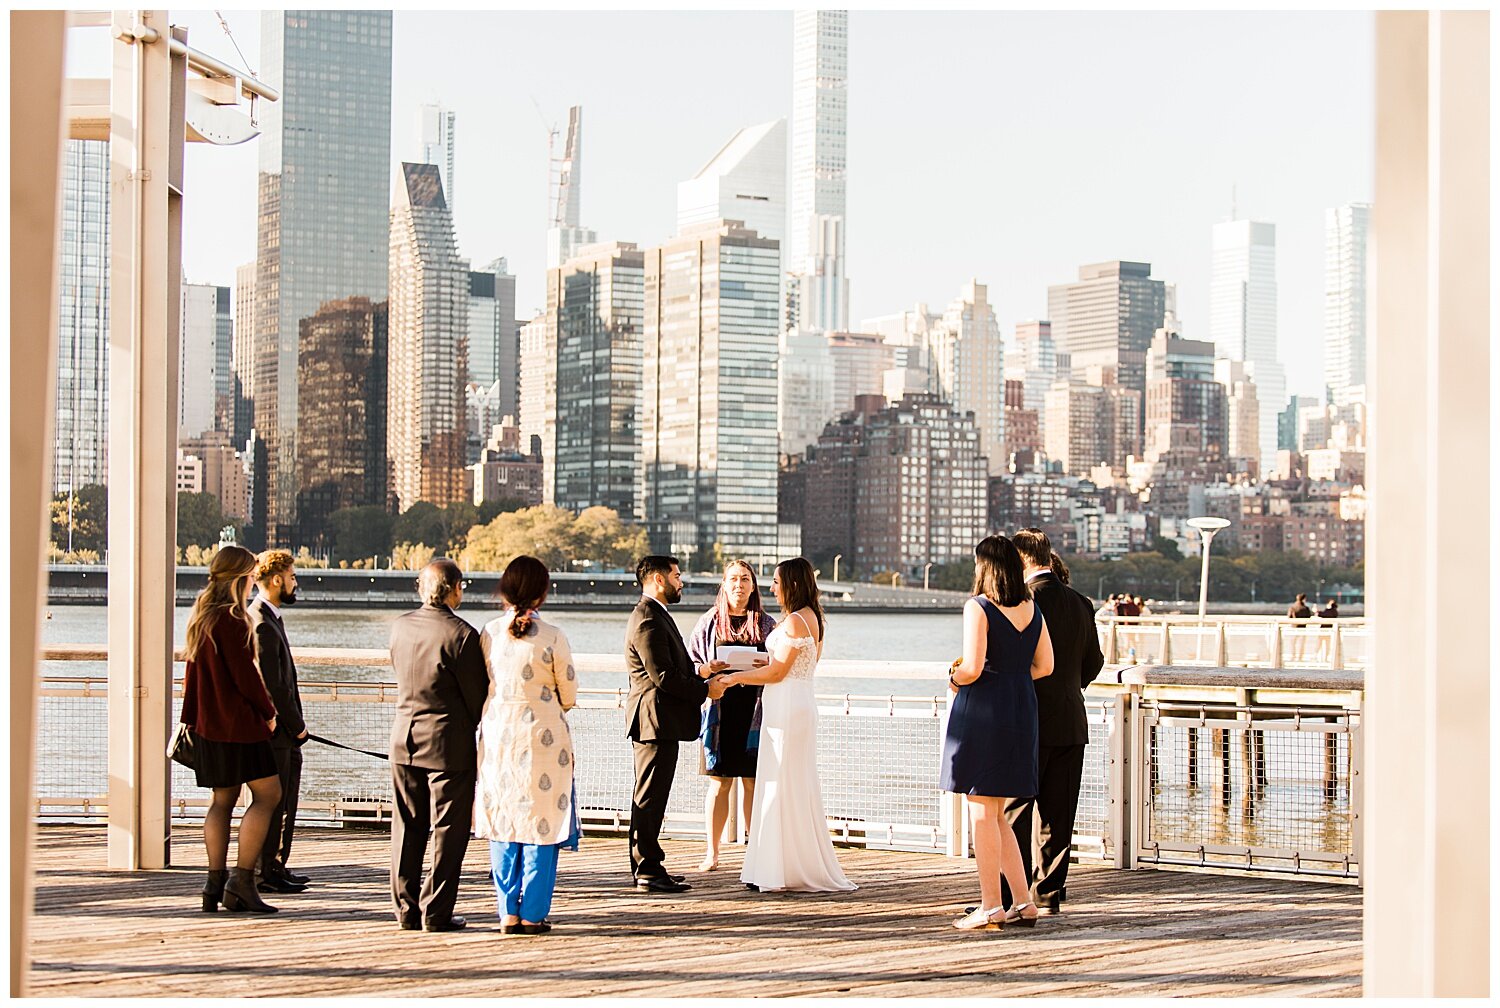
(789, 845)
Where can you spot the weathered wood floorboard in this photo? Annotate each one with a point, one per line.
(97, 932)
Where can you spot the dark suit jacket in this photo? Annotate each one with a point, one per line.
(666, 692)
(441, 683)
(1077, 659)
(274, 655)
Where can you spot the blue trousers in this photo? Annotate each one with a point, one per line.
(525, 875)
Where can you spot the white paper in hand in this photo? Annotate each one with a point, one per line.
(740, 657)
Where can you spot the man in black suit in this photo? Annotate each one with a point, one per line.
(441, 683)
(276, 578)
(1044, 824)
(666, 694)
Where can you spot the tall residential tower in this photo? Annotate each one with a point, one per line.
(1345, 279)
(820, 130)
(1242, 316)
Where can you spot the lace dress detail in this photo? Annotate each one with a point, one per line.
(807, 652)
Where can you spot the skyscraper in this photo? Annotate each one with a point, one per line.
(968, 364)
(341, 372)
(1242, 406)
(437, 123)
(429, 336)
(744, 181)
(805, 377)
(709, 394)
(820, 127)
(1345, 276)
(1033, 363)
(494, 333)
(860, 362)
(565, 193)
(537, 383)
(204, 381)
(80, 448)
(244, 353)
(324, 206)
(1092, 422)
(1185, 405)
(591, 443)
(1242, 316)
(1108, 318)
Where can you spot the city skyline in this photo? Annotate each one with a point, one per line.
(1015, 223)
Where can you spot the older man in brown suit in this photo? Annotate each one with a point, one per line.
(441, 683)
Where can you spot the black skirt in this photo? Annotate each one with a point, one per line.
(230, 764)
(736, 712)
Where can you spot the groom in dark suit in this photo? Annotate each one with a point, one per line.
(1044, 824)
(666, 694)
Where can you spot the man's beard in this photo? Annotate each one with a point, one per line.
(672, 594)
(289, 597)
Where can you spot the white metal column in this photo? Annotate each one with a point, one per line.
(36, 71)
(147, 97)
(1426, 834)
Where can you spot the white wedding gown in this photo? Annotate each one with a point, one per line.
(789, 844)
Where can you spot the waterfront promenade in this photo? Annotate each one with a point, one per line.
(1126, 933)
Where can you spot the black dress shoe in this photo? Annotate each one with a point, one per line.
(661, 884)
(411, 923)
(278, 884)
(454, 923)
(752, 887)
(287, 873)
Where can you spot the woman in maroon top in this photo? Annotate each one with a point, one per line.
(231, 717)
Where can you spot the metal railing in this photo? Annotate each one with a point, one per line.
(1186, 767)
(1235, 641)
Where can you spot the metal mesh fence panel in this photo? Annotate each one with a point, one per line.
(1271, 791)
(1091, 823)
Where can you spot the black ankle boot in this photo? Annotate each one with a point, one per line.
(213, 889)
(240, 894)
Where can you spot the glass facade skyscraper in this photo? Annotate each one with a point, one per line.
(80, 450)
(1242, 316)
(1346, 273)
(708, 417)
(591, 444)
(324, 203)
(426, 419)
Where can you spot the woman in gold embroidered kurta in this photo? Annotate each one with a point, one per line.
(525, 803)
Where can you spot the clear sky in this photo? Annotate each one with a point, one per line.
(1008, 147)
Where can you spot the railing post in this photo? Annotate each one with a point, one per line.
(1114, 643)
(1222, 657)
(1338, 646)
(1121, 782)
(1276, 646)
(1166, 641)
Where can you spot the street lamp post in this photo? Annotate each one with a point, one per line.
(1207, 528)
(836, 558)
(926, 572)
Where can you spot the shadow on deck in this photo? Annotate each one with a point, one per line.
(97, 932)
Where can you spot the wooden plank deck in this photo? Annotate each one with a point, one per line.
(1137, 933)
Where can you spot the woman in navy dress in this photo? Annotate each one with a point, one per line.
(990, 753)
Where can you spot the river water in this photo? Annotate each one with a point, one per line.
(914, 636)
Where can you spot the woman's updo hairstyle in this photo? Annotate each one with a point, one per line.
(524, 587)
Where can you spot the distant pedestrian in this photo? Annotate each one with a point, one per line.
(1331, 611)
(1325, 640)
(527, 804)
(1299, 610)
(276, 576)
(231, 719)
(1145, 607)
(441, 684)
(1127, 607)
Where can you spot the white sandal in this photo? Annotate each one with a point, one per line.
(1014, 916)
(982, 920)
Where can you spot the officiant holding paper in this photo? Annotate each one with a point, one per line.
(733, 631)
